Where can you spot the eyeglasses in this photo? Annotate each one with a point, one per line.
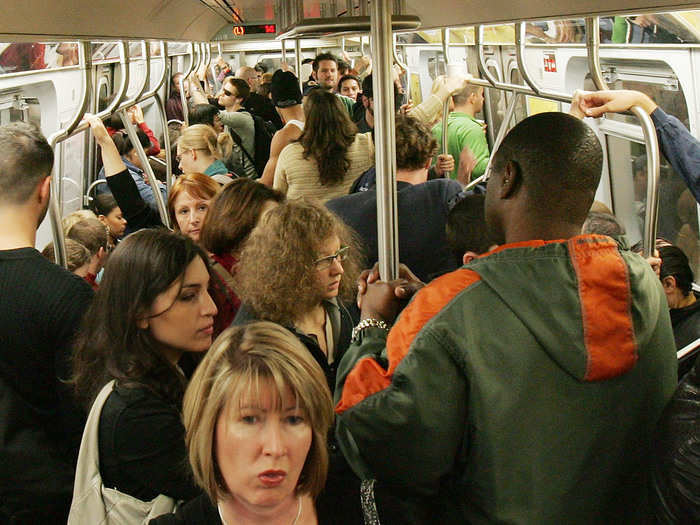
(179, 156)
(226, 92)
(325, 262)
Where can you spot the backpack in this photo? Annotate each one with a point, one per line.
(263, 137)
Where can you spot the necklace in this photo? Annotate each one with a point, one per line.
(221, 515)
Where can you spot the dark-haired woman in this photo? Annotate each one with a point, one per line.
(110, 214)
(232, 216)
(130, 157)
(152, 306)
(329, 155)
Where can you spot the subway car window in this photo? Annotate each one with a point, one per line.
(678, 216)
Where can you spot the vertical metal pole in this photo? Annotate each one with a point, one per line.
(59, 244)
(446, 104)
(650, 139)
(363, 9)
(297, 58)
(401, 64)
(284, 50)
(146, 166)
(385, 141)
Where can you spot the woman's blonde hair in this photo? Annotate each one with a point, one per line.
(244, 360)
(203, 137)
(75, 217)
(276, 273)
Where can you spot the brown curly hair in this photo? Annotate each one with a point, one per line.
(276, 271)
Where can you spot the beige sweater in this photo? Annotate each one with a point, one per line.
(296, 176)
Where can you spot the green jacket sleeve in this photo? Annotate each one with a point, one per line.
(404, 423)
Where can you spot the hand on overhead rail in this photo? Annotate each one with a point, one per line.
(136, 114)
(99, 131)
(597, 103)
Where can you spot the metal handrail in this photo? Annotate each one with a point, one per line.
(650, 139)
(166, 143)
(507, 86)
(401, 64)
(164, 72)
(85, 60)
(95, 183)
(688, 349)
(297, 58)
(183, 97)
(520, 40)
(117, 101)
(385, 148)
(499, 138)
(160, 105)
(146, 167)
(146, 77)
(284, 50)
(446, 104)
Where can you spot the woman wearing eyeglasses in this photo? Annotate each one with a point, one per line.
(294, 269)
(201, 150)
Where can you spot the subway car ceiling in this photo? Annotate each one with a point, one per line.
(201, 20)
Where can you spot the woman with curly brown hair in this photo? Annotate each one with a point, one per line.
(293, 269)
(329, 155)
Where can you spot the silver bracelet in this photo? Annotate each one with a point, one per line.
(366, 323)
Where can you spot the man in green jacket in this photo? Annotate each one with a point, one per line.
(463, 130)
(524, 387)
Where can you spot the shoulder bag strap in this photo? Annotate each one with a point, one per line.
(88, 480)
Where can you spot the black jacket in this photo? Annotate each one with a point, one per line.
(342, 331)
(676, 470)
(686, 329)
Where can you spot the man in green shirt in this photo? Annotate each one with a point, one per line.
(464, 130)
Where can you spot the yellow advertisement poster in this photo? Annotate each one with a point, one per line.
(537, 105)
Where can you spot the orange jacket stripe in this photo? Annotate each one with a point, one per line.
(367, 376)
(608, 331)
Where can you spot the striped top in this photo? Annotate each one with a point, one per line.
(296, 176)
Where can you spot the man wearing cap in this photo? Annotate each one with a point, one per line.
(286, 97)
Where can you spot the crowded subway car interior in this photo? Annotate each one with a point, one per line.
(349, 262)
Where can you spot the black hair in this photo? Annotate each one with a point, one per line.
(320, 58)
(675, 263)
(104, 203)
(123, 143)
(369, 93)
(465, 228)
(559, 160)
(203, 114)
(110, 344)
(349, 77)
